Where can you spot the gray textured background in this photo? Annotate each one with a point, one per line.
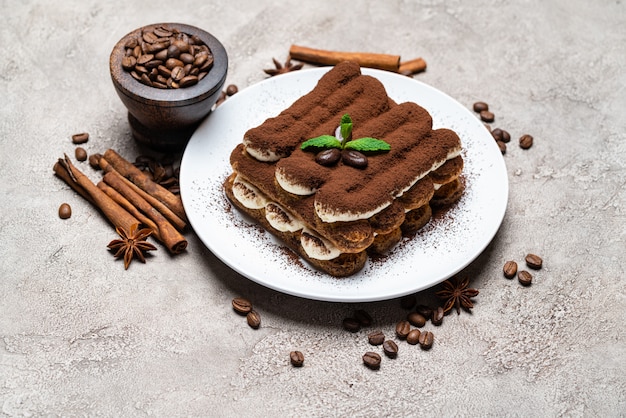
(81, 336)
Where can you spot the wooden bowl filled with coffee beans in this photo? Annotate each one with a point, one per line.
(169, 76)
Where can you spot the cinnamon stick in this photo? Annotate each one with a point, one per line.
(172, 239)
(64, 175)
(364, 59)
(145, 183)
(123, 202)
(117, 215)
(177, 222)
(413, 66)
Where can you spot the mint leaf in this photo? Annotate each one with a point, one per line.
(368, 144)
(346, 127)
(323, 141)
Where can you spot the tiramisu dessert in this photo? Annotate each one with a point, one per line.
(345, 172)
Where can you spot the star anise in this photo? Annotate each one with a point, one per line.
(457, 294)
(132, 244)
(282, 68)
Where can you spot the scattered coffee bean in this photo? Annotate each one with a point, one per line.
(167, 58)
(437, 316)
(525, 278)
(328, 157)
(526, 141)
(502, 147)
(80, 138)
(497, 134)
(65, 211)
(376, 337)
(372, 360)
(354, 158)
(390, 348)
(254, 319)
(480, 107)
(487, 116)
(242, 305)
(416, 319)
(363, 317)
(296, 358)
(408, 302)
(94, 161)
(424, 310)
(231, 89)
(413, 337)
(509, 269)
(506, 137)
(426, 339)
(80, 154)
(534, 261)
(402, 329)
(351, 324)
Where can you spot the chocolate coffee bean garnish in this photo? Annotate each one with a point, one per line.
(254, 319)
(296, 358)
(328, 157)
(353, 158)
(65, 211)
(534, 261)
(509, 269)
(372, 360)
(167, 58)
(390, 348)
(525, 278)
(526, 141)
(242, 306)
(376, 337)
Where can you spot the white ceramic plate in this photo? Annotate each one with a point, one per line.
(440, 250)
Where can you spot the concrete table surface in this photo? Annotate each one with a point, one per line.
(80, 336)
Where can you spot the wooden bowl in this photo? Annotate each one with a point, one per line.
(165, 119)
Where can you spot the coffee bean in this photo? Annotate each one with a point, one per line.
(242, 306)
(487, 116)
(128, 63)
(254, 319)
(426, 340)
(510, 269)
(80, 138)
(525, 278)
(424, 310)
(94, 161)
(150, 37)
(231, 89)
(376, 337)
(372, 360)
(501, 146)
(408, 302)
(497, 134)
(437, 317)
(390, 348)
(506, 137)
(189, 80)
(534, 261)
(413, 337)
(526, 141)
(178, 73)
(328, 157)
(480, 107)
(354, 158)
(363, 317)
(351, 324)
(296, 358)
(80, 154)
(416, 319)
(65, 211)
(402, 329)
